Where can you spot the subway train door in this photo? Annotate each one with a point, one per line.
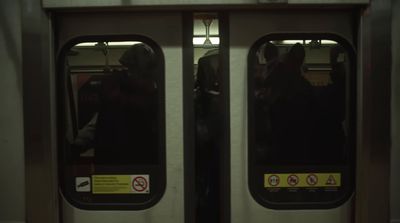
(120, 117)
(292, 103)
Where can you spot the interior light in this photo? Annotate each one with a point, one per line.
(292, 42)
(323, 42)
(86, 44)
(120, 43)
(125, 43)
(200, 40)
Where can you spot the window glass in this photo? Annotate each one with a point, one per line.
(300, 120)
(300, 102)
(114, 152)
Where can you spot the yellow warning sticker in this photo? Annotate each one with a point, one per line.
(278, 180)
(120, 184)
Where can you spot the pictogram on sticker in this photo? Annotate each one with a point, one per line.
(82, 184)
(293, 180)
(140, 184)
(331, 180)
(273, 180)
(312, 179)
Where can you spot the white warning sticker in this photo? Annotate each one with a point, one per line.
(82, 184)
(140, 184)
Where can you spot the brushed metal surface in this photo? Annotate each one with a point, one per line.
(41, 192)
(243, 207)
(165, 29)
(328, 1)
(395, 119)
(372, 200)
(320, 2)
(126, 3)
(12, 221)
(12, 163)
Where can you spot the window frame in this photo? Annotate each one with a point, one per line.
(64, 88)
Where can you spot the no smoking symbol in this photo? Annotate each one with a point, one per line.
(139, 184)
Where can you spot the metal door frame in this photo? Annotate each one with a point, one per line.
(40, 116)
(41, 186)
(148, 25)
(114, 3)
(372, 200)
(234, 127)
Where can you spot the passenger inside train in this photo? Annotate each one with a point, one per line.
(208, 116)
(208, 134)
(114, 124)
(300, 108)
(123, 127)
(126, 129)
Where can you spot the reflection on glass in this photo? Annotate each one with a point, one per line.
(299, 103)
(113, 125)
(113, 120)
(117, 111)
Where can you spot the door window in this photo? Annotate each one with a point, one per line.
(301, 121)
(112, 152)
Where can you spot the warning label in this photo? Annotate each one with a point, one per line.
(140, 184)
(82, 184)
(293, 180)
(312, 179)
(331, 181)
(121, 184)
(273, 180)
(277, 180)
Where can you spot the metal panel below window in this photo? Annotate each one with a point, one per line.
(128, 3)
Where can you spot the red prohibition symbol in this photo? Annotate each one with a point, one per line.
(293, 180)
(139, 184)
(312, 179)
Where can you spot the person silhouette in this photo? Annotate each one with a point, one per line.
(126, 129)
(290, 103)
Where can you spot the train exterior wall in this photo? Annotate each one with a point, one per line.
(12, 197)
(12, 163)
(395, 155)
(125, 3)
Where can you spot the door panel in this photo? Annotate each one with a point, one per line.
(168, 36)
(244, 207)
